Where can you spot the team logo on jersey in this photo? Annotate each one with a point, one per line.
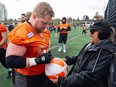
(30, 34)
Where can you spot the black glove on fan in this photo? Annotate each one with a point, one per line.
(70, 60)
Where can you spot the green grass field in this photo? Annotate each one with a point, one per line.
(74, 43)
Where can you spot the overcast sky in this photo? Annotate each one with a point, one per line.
(67, 8)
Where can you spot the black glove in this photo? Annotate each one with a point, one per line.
(44, 58)
(66, 59)
(70, 60)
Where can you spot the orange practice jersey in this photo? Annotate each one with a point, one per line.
(61, 25)
(2, 29)
(36, 44)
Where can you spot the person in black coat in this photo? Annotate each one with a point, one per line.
(10, 27)
(91, 65)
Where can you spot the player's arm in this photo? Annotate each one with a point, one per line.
(15, 58)
(4, 38)
(59, 29)
(69, 28)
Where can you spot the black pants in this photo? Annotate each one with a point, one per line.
(63, 38)
(33, 81)
(3, 57)
(84, 32)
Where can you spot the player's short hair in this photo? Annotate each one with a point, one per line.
(42, 9)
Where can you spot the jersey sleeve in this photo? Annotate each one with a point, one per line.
(3, 29)
(18, 36)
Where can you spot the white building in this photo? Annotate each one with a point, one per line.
(3, 12)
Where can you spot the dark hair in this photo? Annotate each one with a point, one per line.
(23, 14)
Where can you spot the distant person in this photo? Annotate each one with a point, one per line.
(28, 15)
(3, 46)
(84, 29)
(10, 27)
(22, 20)
(63, 29)
(54, 27)
(31, 44)
(91, 65)
(96, 17)
(74, 25)
(50, 27)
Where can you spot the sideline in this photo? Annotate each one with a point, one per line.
(67, 41)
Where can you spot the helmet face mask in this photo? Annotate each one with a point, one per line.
(64, 20)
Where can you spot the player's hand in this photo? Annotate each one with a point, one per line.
(44, 58)
(64, 28)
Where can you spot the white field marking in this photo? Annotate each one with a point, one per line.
(67, 41)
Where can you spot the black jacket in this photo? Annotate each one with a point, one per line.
(91, 66)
